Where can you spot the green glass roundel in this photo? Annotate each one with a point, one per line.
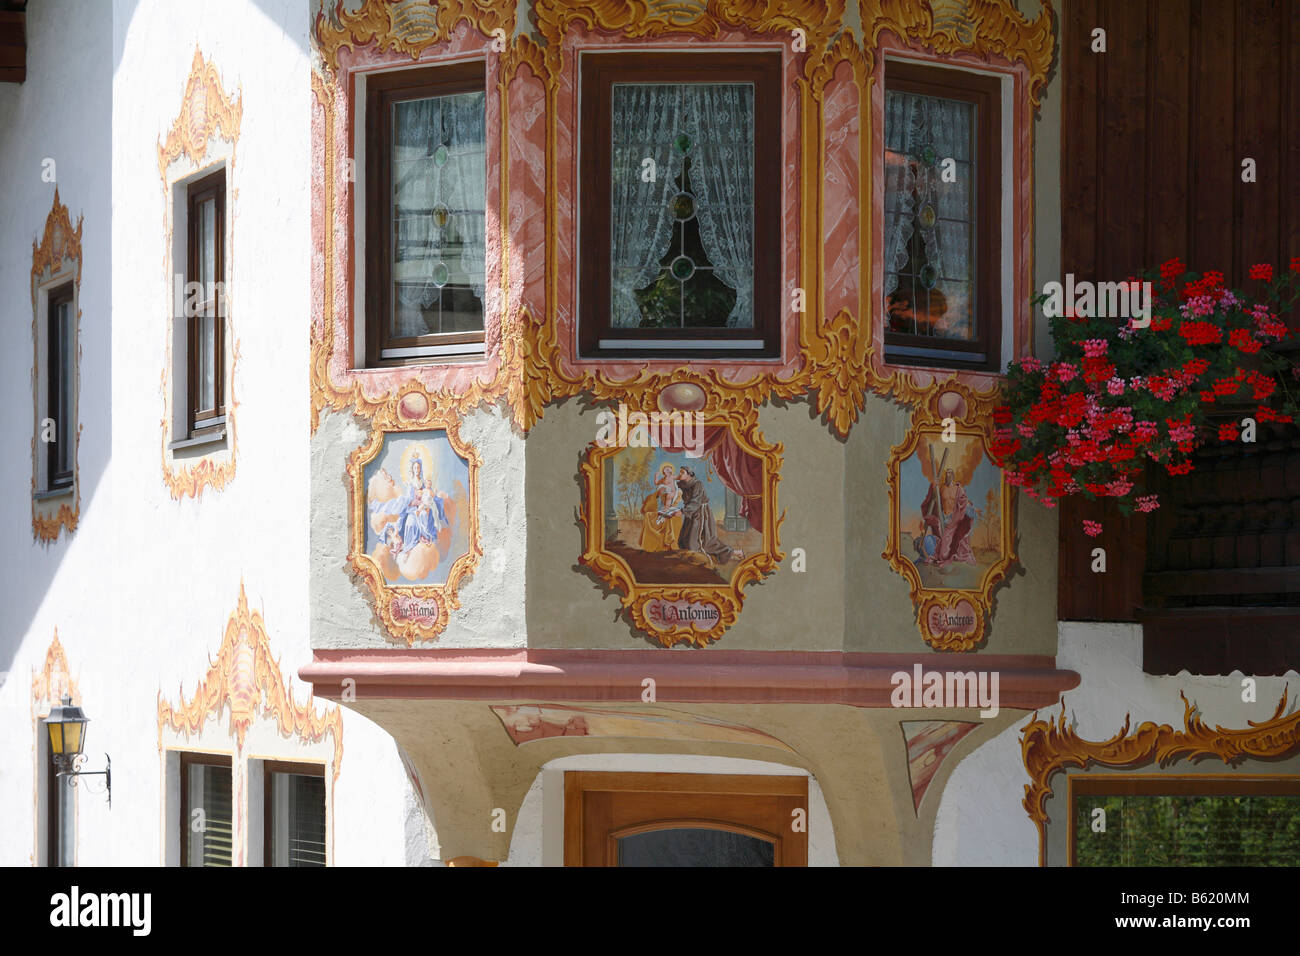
(441, 155)
(440, 215)
(927, 217)
(441, 274)
(929, 276)
(682, 143)
(682, 268)
(683, 206)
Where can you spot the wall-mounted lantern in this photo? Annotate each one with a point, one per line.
(67, 727)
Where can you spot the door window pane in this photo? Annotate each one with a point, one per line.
(689, 846)
(439, 168)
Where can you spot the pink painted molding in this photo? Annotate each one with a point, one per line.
(717, 677)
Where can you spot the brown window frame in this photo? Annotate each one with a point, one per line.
(270, 767)
(213, 186)
(1169, 785)
(985, 92)
(189, 759)
(56, 479)
(600, 806)
(600, 71)
(52, 784)
(382, 91)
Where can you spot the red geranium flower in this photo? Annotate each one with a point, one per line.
(1242, 339)
(1200, 333)
(1262, 271)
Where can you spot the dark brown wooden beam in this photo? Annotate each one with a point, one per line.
(13, 43)
(1219, 640)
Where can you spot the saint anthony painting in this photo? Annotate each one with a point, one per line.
(416, 507)
(680, 520)
(950, 512)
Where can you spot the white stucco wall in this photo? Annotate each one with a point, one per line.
(62, 112)
(141, 592)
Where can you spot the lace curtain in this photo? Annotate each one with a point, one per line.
(920, 133)
(439, 196)
(718, 123)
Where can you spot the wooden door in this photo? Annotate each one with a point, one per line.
(684, 819)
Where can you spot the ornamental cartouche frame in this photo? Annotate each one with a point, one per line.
(727, 598)
(1049, 746)
(414, 414)
(53, 262)
(969, 413)
(207, 116)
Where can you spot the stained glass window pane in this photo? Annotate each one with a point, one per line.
(930, 215)
(439, 168)
(682, 205)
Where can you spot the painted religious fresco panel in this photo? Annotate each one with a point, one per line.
(679, 520)
(414, 525)
(676, 520)
(417, 499)
(951, 511)
(951, 529)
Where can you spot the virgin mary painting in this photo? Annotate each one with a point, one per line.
(413, 522)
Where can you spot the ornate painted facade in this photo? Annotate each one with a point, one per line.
(546, 579)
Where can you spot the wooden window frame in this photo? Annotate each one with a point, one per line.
(599, 72)
(52, 820)
(199, 191)
(269, 768)
(985, 92)
(1170, 785)
(57, 480)
(189, 759)
(382, 91)
(754, 805)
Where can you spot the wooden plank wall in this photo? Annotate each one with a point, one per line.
(1153, 134)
